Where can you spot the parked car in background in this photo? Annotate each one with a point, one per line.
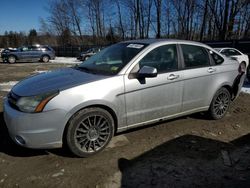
(87, 54)
(126, 85)
(29, 53)
(243, 59)
(1, 50)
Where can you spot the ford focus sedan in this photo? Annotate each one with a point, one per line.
(126, 85)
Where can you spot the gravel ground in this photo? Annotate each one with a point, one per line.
(191, 151)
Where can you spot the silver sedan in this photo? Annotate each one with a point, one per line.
(126, 85)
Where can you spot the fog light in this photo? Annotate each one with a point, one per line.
(20, 140)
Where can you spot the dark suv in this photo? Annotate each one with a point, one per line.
(29, 53)
(87, 54)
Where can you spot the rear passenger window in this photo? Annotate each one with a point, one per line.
(195, 56)
(163, 58)
(34, 48)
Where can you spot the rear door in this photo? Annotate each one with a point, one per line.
(24, 53)
(198, 73)
(149, 99)
(35, 53)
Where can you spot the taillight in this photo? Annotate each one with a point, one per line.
(242, 68)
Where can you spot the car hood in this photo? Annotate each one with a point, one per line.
(54, 80)
(9, 50)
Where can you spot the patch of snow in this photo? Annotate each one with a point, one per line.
(6, 86)
(65, 60)
(245, 89)
(40, 71)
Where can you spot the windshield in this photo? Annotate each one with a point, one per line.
(111, 60)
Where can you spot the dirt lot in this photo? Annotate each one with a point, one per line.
(186, 152)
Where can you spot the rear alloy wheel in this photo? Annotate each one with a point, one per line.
(89, 131)
(45, 59)
(11, 59)
(220, 104)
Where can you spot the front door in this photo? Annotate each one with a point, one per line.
(149, 99)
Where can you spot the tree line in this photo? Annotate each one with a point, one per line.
(77, 22)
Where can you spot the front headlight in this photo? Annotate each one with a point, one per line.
(35, 103)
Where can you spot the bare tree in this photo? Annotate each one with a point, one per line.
(204, 20)
(158, 4)
(118, 4)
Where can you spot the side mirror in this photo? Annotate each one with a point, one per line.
(147, 72)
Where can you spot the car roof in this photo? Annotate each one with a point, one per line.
(158, 41)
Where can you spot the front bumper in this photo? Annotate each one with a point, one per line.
(37, 130)
(4, 57)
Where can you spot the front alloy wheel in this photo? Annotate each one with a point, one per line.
(89, 131)
(11, 59)
(220, 104)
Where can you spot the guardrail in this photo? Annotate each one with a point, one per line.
(74, 51)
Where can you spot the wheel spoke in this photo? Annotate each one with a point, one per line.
(94, 146)
(94, 123)
(103, 129)
(85, 144)
(216, 110)
(103, 123)
(81, 136)
(104, 133)
(101, 138)
(84, 125)
(81, 130)
(90, 125)
(98, 142)
(81, 141)
(89, 145)
(219, 112)
(99, 121)
(216, 102)
(215, 105)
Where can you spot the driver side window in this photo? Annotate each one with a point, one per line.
(163, 58)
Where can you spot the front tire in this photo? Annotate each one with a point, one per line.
(89, 131)
(85, 58)
(220, 104)
(11, 59)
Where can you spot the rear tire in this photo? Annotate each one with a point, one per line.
(89, 131)
(11, 59)
(45, 59)
(220, 104)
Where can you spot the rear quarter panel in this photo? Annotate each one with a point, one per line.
(225, 75)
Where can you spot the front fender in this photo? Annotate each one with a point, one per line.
(91, 103)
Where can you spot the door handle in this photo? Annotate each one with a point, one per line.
(173, 77)
(211, 70)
